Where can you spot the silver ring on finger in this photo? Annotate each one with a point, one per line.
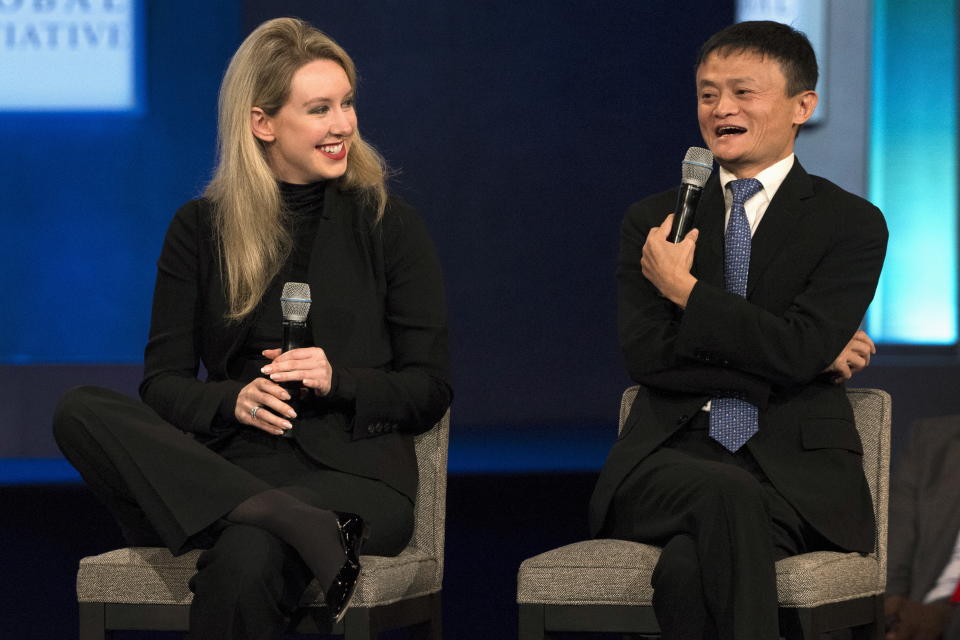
(253, 412)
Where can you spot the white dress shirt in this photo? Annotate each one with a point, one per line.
(771, 178)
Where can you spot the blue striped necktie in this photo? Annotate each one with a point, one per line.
(732, 420)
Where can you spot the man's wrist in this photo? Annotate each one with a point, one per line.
(680, 294)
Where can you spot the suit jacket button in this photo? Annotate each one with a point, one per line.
(369, 428)
(682, 419)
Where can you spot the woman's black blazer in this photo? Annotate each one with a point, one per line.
(378, 311)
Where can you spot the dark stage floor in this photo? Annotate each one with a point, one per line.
(494, 521)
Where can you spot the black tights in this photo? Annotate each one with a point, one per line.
(313, 532)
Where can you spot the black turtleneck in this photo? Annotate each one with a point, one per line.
(303, 206)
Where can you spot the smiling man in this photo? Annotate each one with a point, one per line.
(741, 448)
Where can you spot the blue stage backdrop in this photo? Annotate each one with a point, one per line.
(521, 131)
(86, 196)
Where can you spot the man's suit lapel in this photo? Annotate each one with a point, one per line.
(708, 260)
(784, 213)
(776, 227)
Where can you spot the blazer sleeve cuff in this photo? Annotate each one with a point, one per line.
(343, 396)
(343, 386)
(225, 419)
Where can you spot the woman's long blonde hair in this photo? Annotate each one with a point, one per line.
(248, 212)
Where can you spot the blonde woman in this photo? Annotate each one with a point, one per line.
(280, 465)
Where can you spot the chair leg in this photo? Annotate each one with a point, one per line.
(432, 629)
(802, 627)
(436, 617)
(92, 616)
(357, 625)
(874, 630)
(531, 622)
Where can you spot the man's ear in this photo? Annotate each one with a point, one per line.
(261, 125)
(806, 104)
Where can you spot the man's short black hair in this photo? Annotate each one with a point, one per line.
(781, 42)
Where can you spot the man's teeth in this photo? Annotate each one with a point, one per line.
(723, 131)
(332, 148)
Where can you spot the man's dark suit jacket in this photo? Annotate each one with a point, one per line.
(925, 509)
(378, 312)
(814, 264)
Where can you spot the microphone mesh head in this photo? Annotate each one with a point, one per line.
(697, 166)
(295, 301)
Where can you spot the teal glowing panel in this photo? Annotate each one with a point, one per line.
(913, 170)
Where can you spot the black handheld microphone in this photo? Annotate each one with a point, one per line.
(695, 171)
(295, 304)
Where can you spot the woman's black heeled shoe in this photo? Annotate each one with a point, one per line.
(353, 531)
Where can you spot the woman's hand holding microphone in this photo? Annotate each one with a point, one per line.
(263, 402)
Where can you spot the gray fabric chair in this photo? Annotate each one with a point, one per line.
(145, 588)
(604, 585)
